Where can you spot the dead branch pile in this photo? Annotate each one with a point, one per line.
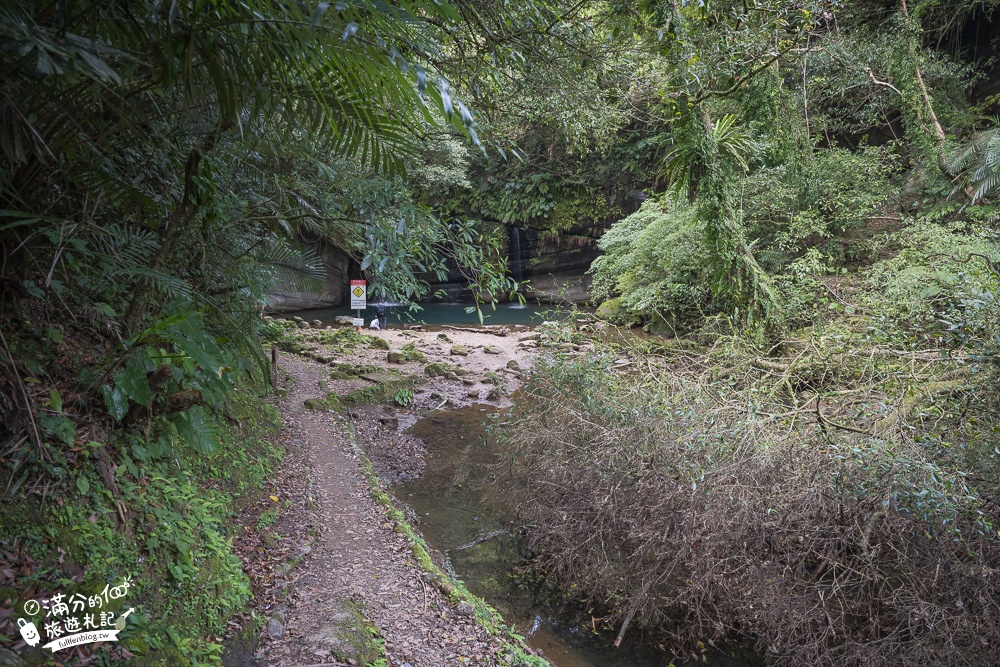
(825, 505)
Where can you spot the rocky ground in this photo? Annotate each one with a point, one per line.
(338, 581)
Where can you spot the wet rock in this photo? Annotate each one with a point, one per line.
(275, 628)
(460, 351)
(436, 369)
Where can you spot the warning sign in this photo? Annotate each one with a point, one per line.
(359, 295)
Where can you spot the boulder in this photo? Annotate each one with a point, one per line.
(460, 350)
(344, 320)
(380, 343)
(275, 629)
(396, 356)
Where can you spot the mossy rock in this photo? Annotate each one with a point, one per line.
(379, 343)
(350, 637)
(611, 310)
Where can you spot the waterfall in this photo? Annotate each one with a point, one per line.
(517, 251)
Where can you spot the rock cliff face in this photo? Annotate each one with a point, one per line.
(554, 264)
(330, 291)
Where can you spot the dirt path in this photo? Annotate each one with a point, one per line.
(357, 580)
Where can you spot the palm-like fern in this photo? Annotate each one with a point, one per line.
(977, 165)
(685, 163)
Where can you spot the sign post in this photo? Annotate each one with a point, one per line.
(359, 301)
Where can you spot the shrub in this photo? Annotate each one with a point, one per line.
(654, 259)
(720, 502)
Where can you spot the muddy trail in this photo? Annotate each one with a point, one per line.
(340, 583)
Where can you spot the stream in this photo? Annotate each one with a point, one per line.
(455, 502)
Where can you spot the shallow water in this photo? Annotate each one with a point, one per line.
(442, 313)
(459, 501)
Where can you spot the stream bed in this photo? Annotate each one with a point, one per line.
(456, 502)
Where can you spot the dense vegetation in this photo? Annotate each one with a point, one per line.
(802, 189)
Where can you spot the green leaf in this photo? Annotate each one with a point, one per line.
(115, 400)
(55, 400)
(61, 427)
(194, 428)
(132, 380)
(83, 484)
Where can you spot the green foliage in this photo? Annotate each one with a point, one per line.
(653, 260)
(938, 272)
(403, 397)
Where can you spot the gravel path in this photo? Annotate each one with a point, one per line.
(356, 564)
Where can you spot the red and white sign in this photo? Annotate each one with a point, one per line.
(359, 295)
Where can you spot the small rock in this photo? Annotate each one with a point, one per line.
(513, 365)
(304, 551)
(396, 356)
(296, 318)
(444, 337)
(281, 569)
(492, 350)
(380, 343)
(317, 324)
(390, 422)
(473, 393)
(275, 629)
(344, 320)
(465, 609)
(460, 350)
(468, 382)
(302, 325)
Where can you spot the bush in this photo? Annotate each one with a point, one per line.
(654, 259)
(721, 502)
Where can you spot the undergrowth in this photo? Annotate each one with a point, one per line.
(170, 527)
